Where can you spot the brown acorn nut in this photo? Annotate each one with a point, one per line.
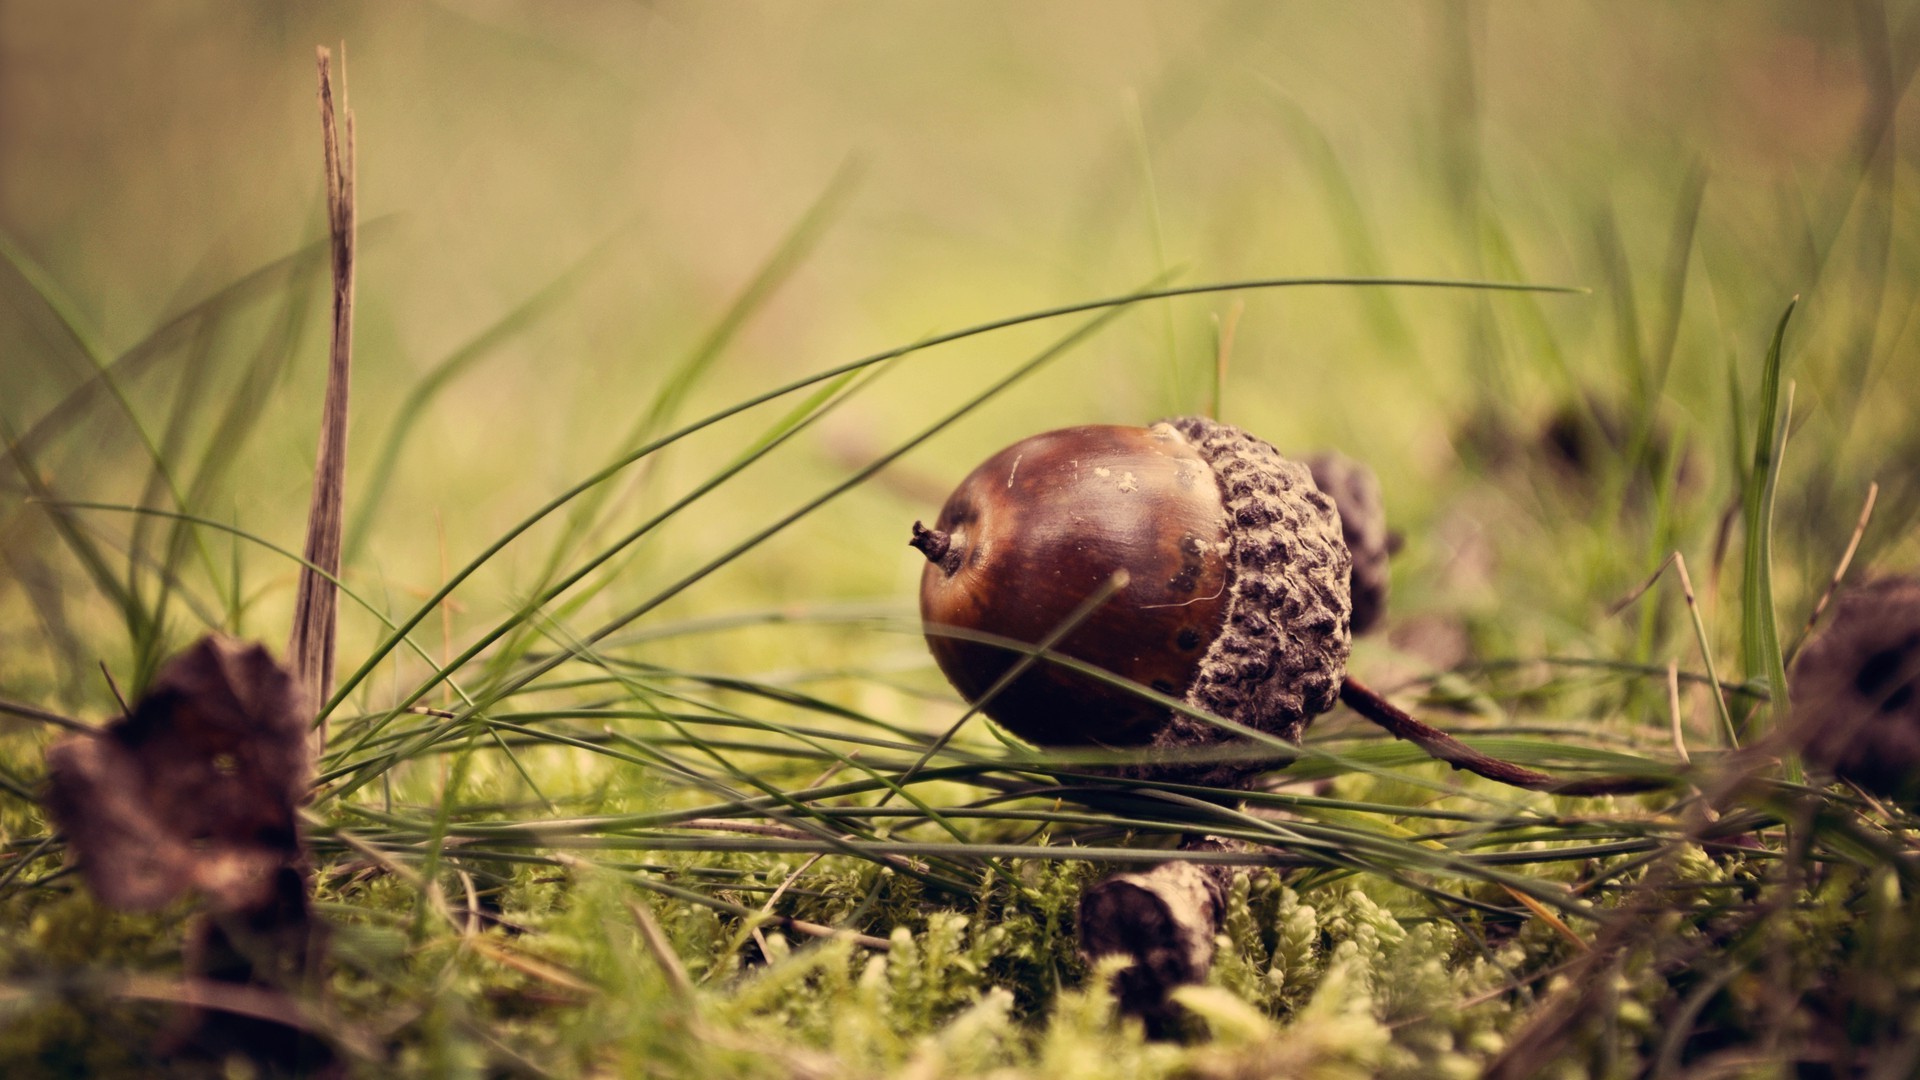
(1237, 597)
(1855, 689)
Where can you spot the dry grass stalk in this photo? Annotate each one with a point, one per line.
(310, 649)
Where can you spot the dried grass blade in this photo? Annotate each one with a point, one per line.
(310, 648)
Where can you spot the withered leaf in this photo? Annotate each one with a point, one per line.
(196, 789)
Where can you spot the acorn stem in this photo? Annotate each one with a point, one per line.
(932, 542)
(1369, 703)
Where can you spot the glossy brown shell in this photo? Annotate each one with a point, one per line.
(1042, 526)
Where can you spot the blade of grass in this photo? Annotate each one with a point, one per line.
(1357, 241)
(144, 630)
(519, 619)
(813, 408)
(252, 538)
(294, 267)
(1086, 329)
(310, 645)
(780, 265)
(1156, 231)
(1760, 639)
(182, 417)
(450, 368)
(432, 602)
(134, 614)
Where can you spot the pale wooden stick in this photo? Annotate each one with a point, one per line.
(1846, 560)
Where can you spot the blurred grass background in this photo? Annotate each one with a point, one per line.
(562, 203)
(994, 158)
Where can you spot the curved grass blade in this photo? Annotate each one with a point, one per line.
(786, 258)
(296, 266)
(858, 477)
(638, 453)
(519, 619)
(1760, 637)
(133, 611)
(236, 531)
(453, 366)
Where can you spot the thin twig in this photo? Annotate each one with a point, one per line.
(107, 673)
(310, 646)
(473, 904)
(1673, 711)
(814, 929)
(1706, 652)
(767, 908)
(23, 861)
(781, 890)
(29, 712)
(1846, 560)
(1640, 590)
(752, 828)
(1546, 915)
(1679, 564)
(655, 940)
(1444, 747)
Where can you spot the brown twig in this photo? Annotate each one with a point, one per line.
(107, 673)
(751, 828)
(310, 647)
(1840, 570)
(29, 712)
(1444, 747)
(656, 942)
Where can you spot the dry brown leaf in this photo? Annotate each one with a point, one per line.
(196, 789)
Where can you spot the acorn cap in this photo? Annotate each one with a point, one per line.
(1281, 654)
(1855, 689)
(1363, 524)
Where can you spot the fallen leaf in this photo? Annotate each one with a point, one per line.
(195, 789)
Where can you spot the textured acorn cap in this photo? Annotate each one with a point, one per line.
(1281, 654)
(1363, 524)
(1856, 690)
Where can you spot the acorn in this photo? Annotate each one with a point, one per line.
(1237, 598)
(1855, 690)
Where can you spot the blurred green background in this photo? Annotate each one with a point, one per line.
(630, 168)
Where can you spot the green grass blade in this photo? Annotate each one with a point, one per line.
(296, 267)
(455, 364)
(1357, 240)
(148, 629)
(252, 538)
(1760, 638)
(780, 265)
(133, 611)
(460, 577)
(858, 477)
